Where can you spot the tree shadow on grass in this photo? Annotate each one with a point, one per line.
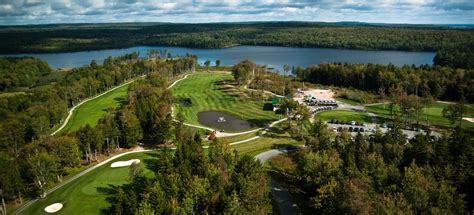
(121, 100)
(259, 122)
(281, 146)
(151, 164)
(110, 192)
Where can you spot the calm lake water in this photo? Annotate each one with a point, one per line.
(273, 57)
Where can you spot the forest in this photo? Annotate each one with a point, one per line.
(443, 83)
(190, 181)
(380, 174)
(454, 45)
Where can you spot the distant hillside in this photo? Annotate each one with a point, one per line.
(350, 35)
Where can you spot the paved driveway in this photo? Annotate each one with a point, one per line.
(280, 195)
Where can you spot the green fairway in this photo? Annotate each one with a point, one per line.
(86, 195)
(91, 111)
(208, 93)
(434, 114)
(344, 115)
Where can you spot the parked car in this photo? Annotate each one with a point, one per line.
(361, 129)
(353, 122)
(351, 129)
(356, 129)
(339, 129)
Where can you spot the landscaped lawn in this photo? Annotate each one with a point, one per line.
(91, 111)
(208, 93)
(434, 113)
(344, 115)
(85, 195)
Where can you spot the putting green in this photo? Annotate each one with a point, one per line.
(215, 92)
(91, 111)
(344, 115)
(433, 112)
(87, 194)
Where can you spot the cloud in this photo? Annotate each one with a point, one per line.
(388, 11)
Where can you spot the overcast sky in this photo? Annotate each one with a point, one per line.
(14, 12)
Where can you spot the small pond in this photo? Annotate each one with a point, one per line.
(222, 121)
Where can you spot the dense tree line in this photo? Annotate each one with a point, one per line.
(32, 160)
(189, 181)
(383, 174)
(439, 82)
(456, 57)
(75, 37)
(21, 72)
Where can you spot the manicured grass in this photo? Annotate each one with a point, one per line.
(344, 115)
(434, 113)
(232, 139)
(348, 101)
(86, 195)
(91, 111)
(208, 93)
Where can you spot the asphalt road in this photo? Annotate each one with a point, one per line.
(280, 195)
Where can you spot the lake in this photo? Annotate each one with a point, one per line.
(272, 56)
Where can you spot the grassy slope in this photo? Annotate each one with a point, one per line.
(344, 115)
(207, 95)
(434, 113)
(82, 196)
(348, 101)
(90, 112)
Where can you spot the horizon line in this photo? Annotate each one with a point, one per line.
(246, 22)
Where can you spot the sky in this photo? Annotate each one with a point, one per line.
(19, 12)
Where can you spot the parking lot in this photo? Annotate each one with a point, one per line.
(371, 127)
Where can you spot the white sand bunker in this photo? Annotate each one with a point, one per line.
(53, 208)
(124, 163)
(469, 119)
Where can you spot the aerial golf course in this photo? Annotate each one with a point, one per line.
(87, 194)
(208, 91)
(91, 111)
(216, 91)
